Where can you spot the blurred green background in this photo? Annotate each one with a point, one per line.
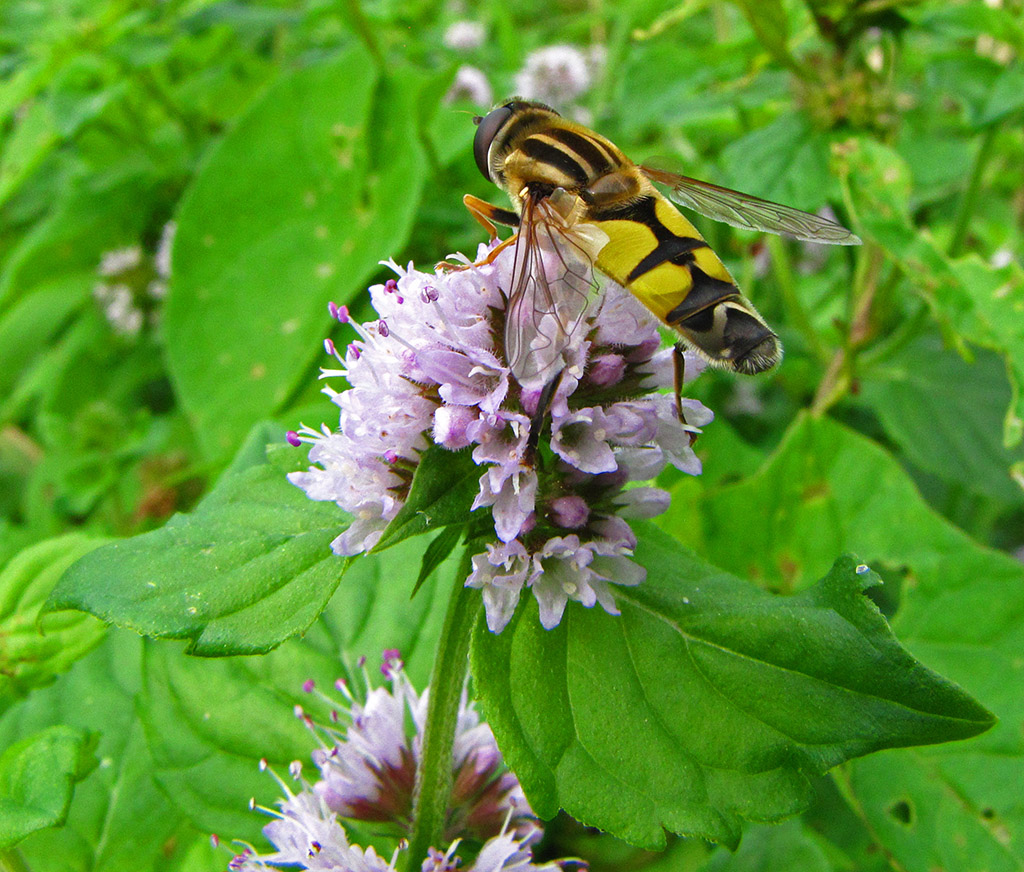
(185, 185)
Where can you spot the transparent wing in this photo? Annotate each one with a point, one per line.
(552, 286)
(745, 210)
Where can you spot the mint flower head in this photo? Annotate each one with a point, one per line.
(561, 444)
(366, 769)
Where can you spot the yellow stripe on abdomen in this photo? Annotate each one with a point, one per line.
(650, 250)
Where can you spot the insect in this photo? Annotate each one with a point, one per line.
(562, 177)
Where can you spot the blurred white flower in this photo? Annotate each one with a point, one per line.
(133, 282)
(464, 36)
(120, 260)
(555, 74)
(472, 86)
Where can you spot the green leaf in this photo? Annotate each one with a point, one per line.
(37, 778)
(442, 492)
(34, 137)
(440, 547)
(198, 712)
(251, 566)
(945, 428)
(768, 20)
(30, 657)
(829, 489)
(785, 161)
(785, 847)
(1007, 95)
(707, 701)
(103, 831)
(971, 300)
(339, 169)
(27, 328)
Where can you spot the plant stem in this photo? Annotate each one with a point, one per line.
(970, 197)
(362, 27)
(839, 376)
(782, 270)
(434, 778)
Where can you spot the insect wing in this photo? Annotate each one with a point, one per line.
(747, 211)
(552, 285)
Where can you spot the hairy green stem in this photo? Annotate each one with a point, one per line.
(970, 198)
(434, 778)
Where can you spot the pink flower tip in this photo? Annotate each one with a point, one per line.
(390, 286)
(308, 685)
(392, 662)
(329, 347)
(340, 684)
(293, 439)
(390, 456)
(214, 840)
(382, 328)
(361, 662)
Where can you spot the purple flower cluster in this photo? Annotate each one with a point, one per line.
(432, 368)
(367, 774)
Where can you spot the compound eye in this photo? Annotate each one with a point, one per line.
(486, 130)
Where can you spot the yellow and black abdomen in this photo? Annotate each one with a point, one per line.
(664, 261)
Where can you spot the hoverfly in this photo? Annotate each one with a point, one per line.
(562, 178)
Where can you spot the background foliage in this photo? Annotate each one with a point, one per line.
(297, 144)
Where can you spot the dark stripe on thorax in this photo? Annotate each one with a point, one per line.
(552, 155)
(585, 148)
(518, 127)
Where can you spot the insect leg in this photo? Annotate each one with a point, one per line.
(537, 420)
(488, 215)
(679, 377)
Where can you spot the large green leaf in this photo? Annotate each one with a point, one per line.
(251, 566)
(103, 831)
(316, 183)
(198, 712)
(707, 701)
(962, 611)
(944, 427)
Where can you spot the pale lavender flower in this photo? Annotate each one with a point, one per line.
(367, 773)
(506, 852)
(464, 36)
(556, 74)
(432, 367)
(368, 769)
(471, 85)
